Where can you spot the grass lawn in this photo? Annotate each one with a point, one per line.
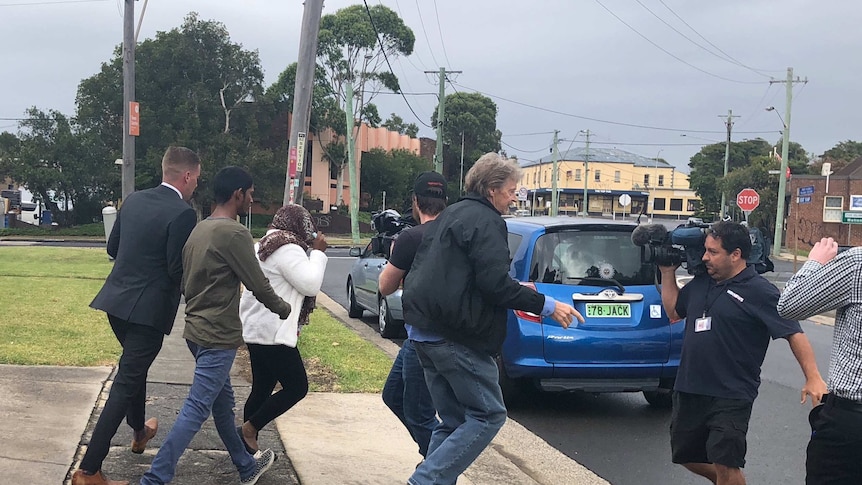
(47, 319)
(45, 304)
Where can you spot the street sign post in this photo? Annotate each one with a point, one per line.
(851, 217)
(522, 194)
(747, 200)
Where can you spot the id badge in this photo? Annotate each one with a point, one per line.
(703, 324)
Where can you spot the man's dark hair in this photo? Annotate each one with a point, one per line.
(732, 235)
(227, 181)
(430, 206)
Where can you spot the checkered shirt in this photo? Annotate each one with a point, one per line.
(837, 285)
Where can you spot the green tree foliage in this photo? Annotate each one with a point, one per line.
(393, 172)
(839, 156)
(475, 116)
(349, 50)
(9, 147)
(56, 163)
(756, 175)
(196, 88)
(396, 123)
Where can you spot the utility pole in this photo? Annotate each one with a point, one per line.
(128, 171)
(441, 111)
(729, 124)
(294, 183)
(586, 171)
(785, 147)
(351, 164)
(555, 197)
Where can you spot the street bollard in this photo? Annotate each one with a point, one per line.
(109, 216)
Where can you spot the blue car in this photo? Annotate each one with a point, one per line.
(626, 343)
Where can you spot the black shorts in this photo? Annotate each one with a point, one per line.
(706, 429)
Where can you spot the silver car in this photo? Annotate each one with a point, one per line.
(363, 294)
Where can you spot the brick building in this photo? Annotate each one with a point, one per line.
(813, 212)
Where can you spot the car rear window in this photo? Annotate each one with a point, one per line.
(608, 253)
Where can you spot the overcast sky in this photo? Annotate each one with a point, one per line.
(569, 56)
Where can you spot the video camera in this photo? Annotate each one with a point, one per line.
(388, 224)
(685, 246)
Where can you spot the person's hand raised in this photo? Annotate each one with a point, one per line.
(319, 242)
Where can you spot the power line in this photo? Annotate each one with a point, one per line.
(440, 30)
(670, 53)
(418, 57)
(531, 134)
(422, 23)
(383, 50)
(55, 2)
(696, 43)
(524, 151)
(713, 45)
(597, 120)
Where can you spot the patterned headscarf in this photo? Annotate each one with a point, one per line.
(294, 226)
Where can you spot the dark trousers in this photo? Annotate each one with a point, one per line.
(835, 451)
(127, 399)
(271, 364)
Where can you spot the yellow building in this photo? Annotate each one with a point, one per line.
(655, 187)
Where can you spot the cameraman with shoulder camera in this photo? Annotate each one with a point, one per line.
(830, 280)
(730, 315)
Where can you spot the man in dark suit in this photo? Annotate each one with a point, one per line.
(141, 296)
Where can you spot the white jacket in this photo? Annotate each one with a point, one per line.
(293, 275)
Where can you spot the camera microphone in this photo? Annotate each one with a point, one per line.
(643, 235)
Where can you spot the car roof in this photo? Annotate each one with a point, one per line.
(562, 222)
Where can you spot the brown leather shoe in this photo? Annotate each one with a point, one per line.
(150, 429)
(80, 478)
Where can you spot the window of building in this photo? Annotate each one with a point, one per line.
(659, 204)
(646, 180)
(598, 175)
(617, 176)
(661, 180)
(675, 204)
(832, 208)
(691, 206)
(544, 177)
(568, 174)
(577, 174)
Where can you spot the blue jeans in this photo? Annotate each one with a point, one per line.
(211, 393)
(465, 390)
(406, 394)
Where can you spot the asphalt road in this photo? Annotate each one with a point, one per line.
(625, 441)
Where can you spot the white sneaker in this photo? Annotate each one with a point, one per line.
(263, 460)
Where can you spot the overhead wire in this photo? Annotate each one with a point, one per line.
(737, 63)
(418, 57)
(422, 23)
(383, 50)
(598, 120)
(440, 30)
(670, 53)
(710, 43)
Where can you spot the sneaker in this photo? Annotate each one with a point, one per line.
(262, 464)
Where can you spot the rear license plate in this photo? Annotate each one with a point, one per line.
(608, 310)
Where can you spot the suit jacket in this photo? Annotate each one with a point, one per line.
(147, 243)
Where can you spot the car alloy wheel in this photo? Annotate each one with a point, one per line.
(388, 329)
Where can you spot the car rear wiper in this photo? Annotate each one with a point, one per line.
(601, 281)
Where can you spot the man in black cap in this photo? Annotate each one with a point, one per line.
(405, 391)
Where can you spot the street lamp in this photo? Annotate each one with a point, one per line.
(782, 177)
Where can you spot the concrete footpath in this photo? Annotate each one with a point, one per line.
(327, 439)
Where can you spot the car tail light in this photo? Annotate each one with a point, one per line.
(528, 316)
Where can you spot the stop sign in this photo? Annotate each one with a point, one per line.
(747, 200)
